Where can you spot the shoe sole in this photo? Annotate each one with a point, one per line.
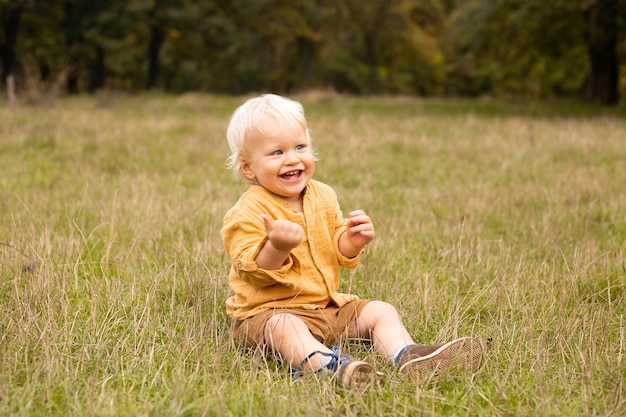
(462, 353)
(357, 375)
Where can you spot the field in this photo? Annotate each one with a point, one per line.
(501, 220)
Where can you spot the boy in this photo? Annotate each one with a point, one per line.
(287, 239)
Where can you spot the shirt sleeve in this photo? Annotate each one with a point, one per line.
(343, 260)
(244, 237)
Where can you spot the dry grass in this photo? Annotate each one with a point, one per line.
(503, 221)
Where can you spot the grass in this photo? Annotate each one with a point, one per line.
(498, 220)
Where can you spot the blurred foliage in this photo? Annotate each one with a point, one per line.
(527, 48)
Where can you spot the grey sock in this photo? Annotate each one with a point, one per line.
(398, 352)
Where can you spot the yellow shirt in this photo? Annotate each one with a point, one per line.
(310, 276)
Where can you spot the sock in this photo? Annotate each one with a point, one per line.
(325, 361)
(398, 352)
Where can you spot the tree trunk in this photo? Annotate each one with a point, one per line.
(98, 71)
(72, 63)
(72, 38)
(7, 50)
(371, 62)
(601, 84)
(154, 48)
(305, 52)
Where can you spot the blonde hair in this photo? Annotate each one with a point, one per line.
(251, 115)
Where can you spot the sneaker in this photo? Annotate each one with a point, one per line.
(349, 372)
(425, 361)
(356, 374)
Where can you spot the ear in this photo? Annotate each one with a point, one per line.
(246, 170)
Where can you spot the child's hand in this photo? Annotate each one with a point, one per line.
(283, 234)
(360, 230)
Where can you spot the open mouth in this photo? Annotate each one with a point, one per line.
(291, 175)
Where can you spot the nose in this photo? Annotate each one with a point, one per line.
(292, 158)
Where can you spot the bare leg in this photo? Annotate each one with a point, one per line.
(380, 322)
(289, 337)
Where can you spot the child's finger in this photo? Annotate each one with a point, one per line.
(355, 213)
(269, 223)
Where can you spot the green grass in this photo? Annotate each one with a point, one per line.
(504, 221)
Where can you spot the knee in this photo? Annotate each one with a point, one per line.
(278, 326)
(381, 311)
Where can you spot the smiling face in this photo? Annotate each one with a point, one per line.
(279, 158)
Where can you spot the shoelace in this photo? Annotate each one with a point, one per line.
(335, 361)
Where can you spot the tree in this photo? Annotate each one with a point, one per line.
(537, 48)
(387, 46)
(270, 44)
(10, 15)
(602, 18)
(423, 47)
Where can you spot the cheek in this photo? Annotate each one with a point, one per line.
(310, 159)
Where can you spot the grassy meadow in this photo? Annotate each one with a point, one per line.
(505, 221)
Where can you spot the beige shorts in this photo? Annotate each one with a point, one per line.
(328, 324)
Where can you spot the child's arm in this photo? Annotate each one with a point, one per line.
(282, 237)
(359, 233)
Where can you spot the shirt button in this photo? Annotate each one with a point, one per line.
(287, 204)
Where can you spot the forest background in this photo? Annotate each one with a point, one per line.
(529, 48)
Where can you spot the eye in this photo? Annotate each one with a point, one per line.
(300, 147)
(277, 152)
